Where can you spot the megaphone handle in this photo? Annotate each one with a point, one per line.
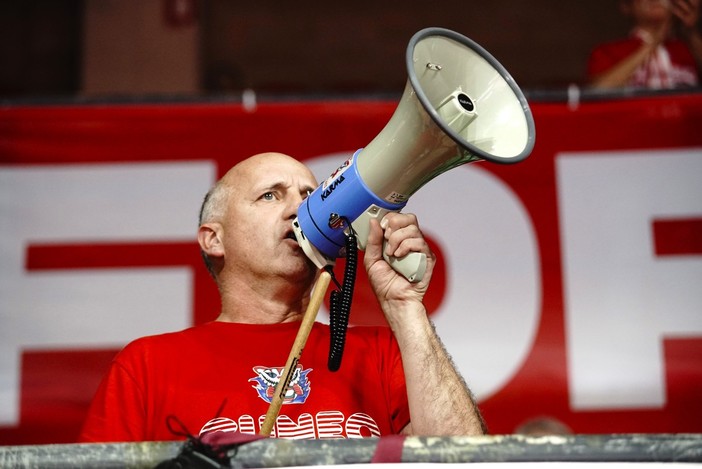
(412, 266)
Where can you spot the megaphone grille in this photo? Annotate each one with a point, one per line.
(443, 65)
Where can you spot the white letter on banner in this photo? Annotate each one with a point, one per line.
(100, 308)
(491, 310)
(620, 299)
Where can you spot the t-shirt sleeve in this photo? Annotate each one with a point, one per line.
(117, 412)
(599, 62)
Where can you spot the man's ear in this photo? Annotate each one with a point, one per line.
(209, 237)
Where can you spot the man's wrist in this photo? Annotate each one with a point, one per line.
(407, 319)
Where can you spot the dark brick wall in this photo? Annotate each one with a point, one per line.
(339, 46)
(317, 46)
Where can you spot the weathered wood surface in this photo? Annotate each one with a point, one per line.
(93, 455)
(281, 453)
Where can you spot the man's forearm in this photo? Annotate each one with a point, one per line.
(440, 402)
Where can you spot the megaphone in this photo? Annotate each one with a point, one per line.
(460, 105)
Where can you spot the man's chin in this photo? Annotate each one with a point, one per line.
(303, 269)
(312, 269)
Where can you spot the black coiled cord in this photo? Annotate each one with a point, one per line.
(340, 304)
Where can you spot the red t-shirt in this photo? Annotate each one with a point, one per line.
(680, 71)
(220, 376)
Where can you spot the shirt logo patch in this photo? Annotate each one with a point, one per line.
(267, 379)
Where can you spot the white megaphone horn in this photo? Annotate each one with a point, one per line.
(460, 105)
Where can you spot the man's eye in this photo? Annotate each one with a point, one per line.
(268, 196)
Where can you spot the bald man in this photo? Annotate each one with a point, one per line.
(220, 376)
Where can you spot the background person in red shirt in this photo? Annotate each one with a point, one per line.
(653, 56)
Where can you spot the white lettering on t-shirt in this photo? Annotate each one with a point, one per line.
(357, 423)
(324, 425)
(329, 424)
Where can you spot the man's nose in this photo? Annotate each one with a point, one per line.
(293, 204)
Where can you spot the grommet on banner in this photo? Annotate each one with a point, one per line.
(573, 96)
(248, 100)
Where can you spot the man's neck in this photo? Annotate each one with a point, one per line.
(272, 302)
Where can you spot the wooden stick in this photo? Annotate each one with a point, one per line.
(320, 288)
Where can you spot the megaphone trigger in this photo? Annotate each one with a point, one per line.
(412, 266)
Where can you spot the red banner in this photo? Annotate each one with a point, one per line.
(568, 286)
